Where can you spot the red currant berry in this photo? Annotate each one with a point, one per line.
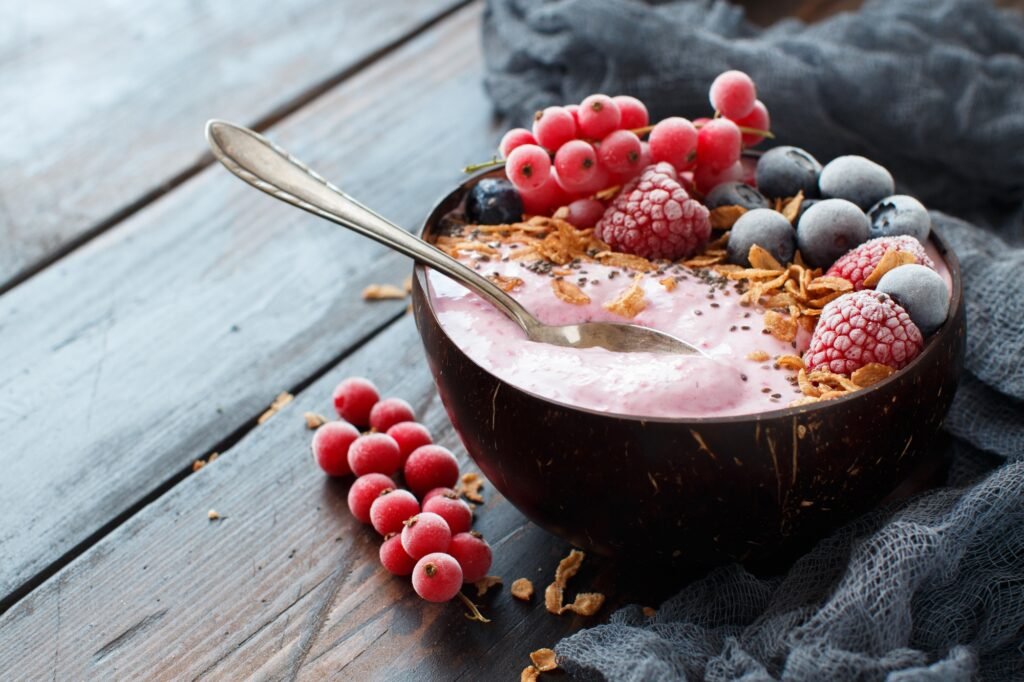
(449, 507)
(585, 213)
(425, 533)
(759, 120)
(674, 140)
(598, 115)
(409, 436)
(437, 577)
(545, 199)
(733, 94)
(473, 554)
(620, 152)
(431, 466)
(707, 178)
(354, 398)
(330, 447)
(528, 167)
(389, 412)
(394, 557)
(516, 137)
(718, 144)
(574, 109)
(364, 491)
(374, 453)
(633, 111)
(576, 163)
(598, 181)
(391, 509)
(553, 127)
(646, 158)
(438, 491)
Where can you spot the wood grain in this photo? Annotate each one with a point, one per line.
(104, 102)
(166, 336)
(287, 584)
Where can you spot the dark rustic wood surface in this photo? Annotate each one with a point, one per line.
(180, 302)
(160, 340)
(104, 102)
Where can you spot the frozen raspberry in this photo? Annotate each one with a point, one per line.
(857, 264)
(860, 328)
(654, 217)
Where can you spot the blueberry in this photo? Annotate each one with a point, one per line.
(736, 194)
(784, 171)
(766, 228)
(921, 291)
(494, 202)
(900, 214)
(855, 179)
(804, 205)
(829, 229)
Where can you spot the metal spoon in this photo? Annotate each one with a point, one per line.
(269, 168)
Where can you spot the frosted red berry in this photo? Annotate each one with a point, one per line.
(733, 94)
(425, 533)
(431, 466)
(858, 263)
(389, 412)
(620, 153)
(437, 577)
(654, 217)
(706, 178)
(553, 127)
(633, 112)
(718, 144)
(438, 491)
(585, 213)
(860, 328)
(516, 137)
(576, 164)
(394, 557)
(449, 507)
(330, 447)
(374, 453)
(473, 554)
(598, 115)
(391, 509)
(354, 398)
(757, 119)
(545, 199)
(674, 141)
(409, 436)
(364, 491)
(528, 167)
(574, 111)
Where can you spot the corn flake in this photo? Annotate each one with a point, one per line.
(871, 374)
(724, 217)
(630, 302)
(891, 259)
(486, 583)
(382, 292)
(569, 292)
(522, 589)
(544, 660)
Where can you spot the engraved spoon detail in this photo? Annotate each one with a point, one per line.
(270, 169)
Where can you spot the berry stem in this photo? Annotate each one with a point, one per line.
(474, 613)
(495, 162)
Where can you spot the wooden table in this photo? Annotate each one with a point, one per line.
(152, 306)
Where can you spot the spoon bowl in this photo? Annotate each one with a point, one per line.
(270, 169)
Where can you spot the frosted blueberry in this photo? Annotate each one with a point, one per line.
(829, 229)
(921, 291)
(900, 214)
(784, 171)
(856, 179)
(766, 228)
(735, 194)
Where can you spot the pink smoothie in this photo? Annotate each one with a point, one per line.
(703, 309)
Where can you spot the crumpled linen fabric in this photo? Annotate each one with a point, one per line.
(931, 588)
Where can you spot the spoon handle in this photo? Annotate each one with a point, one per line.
(268, 168)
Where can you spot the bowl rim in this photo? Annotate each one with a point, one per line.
(931, 345)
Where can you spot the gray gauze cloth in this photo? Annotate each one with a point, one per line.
(931, 588)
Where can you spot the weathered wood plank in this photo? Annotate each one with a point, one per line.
(155, 342)
(287, 582)
(104, 102)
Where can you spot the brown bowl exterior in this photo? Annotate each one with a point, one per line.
(694, 491)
